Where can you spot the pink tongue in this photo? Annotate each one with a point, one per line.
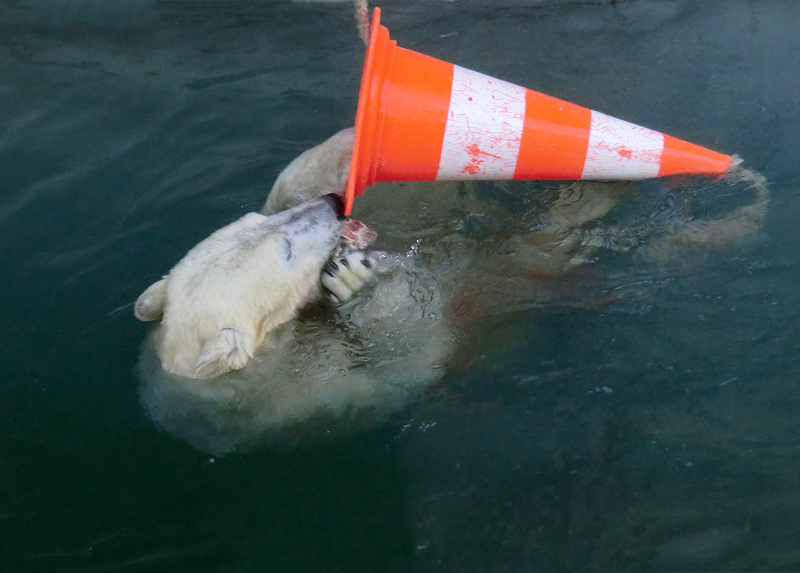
(357, 235)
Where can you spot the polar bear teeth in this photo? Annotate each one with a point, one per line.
(343, 276)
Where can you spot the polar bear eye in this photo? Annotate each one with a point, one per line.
(285, 250)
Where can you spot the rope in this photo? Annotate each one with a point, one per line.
(362, 20)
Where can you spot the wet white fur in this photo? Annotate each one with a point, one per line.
(219, 304)
(241, 355)
(318, 376)
(315, 172)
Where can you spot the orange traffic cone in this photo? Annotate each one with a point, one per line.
(422, 119)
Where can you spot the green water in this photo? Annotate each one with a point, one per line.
(657, 433)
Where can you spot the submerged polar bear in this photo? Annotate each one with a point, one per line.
(249, 350)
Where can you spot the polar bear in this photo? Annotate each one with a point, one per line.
(275, 328)
(271, 331)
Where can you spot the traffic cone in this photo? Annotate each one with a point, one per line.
(422, 119)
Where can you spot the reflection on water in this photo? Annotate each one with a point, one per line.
(631, 414)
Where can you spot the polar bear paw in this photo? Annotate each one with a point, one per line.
(347, 273)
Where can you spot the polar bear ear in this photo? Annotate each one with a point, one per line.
(150, 304)
(229, 350)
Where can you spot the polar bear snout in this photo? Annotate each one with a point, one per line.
(314, 228)
(336, 204)
(323, 212)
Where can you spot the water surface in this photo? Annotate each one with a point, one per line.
(656, 433)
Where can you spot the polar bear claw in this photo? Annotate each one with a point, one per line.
(348, 273)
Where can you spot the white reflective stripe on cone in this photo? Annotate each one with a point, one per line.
(484, 128)
(621, 150)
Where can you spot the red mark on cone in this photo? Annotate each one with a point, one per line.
(477, 157)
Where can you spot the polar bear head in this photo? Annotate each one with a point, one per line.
(224, 298)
